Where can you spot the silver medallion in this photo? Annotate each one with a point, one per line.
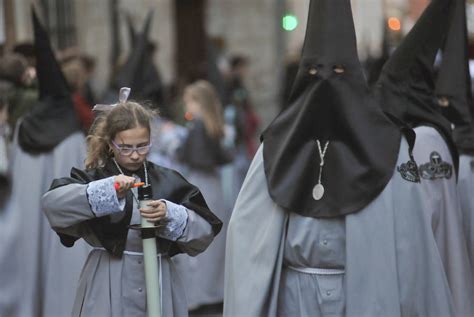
(318, 192)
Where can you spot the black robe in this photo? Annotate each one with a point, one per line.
(202, 151)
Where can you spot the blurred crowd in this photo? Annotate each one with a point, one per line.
(232, 108)
(206, 128)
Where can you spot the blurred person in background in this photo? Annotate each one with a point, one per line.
(202, 153)
(27, 50)
(89, 64)
(76, 75)
(18, 79)
(246, 121)
(167, 137)
(139, 71)
(241, 117)
(38, 275)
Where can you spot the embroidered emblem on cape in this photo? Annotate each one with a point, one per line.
(436, 168)
(409, 171)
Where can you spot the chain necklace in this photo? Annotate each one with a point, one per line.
(121, 172)
(318, 189)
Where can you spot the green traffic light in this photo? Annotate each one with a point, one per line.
(289, 22)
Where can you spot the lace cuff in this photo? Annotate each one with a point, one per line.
(103, 197)
(176, 220)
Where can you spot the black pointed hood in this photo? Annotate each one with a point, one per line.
(406, 87)
(329, 105)
(454, 80)
(53, 118)
(131, 73)
(51, 80)
(132, 34)
(139, 72)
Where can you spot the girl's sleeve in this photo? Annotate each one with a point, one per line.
(192, 233)
(71, 204)
(197, 234)
(176, 219)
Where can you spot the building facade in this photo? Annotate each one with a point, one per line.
(249, 27)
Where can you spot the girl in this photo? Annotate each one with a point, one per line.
(202, 154)
(87, 206)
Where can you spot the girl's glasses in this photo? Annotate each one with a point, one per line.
(128, 150)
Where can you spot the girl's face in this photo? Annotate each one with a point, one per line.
(131, 147)
(192, 105)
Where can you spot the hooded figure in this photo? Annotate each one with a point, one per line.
(39, 131)
(453, 89)
(139, 73)
(202, 154)
(406, 85)
(330, 110)
(407, 90)
(362, 245)
(33, 263)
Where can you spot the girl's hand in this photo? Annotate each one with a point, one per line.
(125, 183)
(155, 212)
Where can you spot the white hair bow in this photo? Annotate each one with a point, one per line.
(123, 97)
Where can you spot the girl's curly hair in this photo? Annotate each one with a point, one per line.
(123, 116)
